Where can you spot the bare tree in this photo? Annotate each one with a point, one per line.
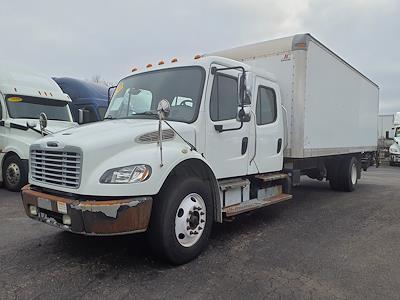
(97, 79)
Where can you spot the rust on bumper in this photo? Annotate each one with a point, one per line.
(108, 217)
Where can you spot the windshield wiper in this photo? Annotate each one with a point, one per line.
(146, 113)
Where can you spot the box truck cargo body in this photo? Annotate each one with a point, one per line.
(332, 108)
(186, 144)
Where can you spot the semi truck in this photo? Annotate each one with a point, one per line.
(24, 96)
(394, 149)
(189, 143)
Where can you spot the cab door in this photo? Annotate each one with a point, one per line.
(269, 127)
(226, 147)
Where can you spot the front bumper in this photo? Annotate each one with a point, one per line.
(109, 217)
(395, 157)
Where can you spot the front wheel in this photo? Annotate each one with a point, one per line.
(15, 173)
(181, 220)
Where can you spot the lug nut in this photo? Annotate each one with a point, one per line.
(188, 228)
(191, 232)
(202, 221)
(200, 228)
(202, 214)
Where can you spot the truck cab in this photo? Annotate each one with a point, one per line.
(208, 141)
(394, 149)
(89, 98)
(24, 96)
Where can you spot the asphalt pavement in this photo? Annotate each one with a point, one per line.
(320, 245)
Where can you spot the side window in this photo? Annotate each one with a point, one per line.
(266, 111)
(224, 98)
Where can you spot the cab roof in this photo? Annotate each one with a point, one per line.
(204, 61)
(17, 80)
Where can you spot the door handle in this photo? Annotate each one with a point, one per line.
(279, 146)
(245, 142)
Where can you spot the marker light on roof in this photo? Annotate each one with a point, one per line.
(174, 60)
(161, 62)
(197, 56)
(149, 66)
(134, 69)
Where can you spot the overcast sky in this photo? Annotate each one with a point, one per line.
(107, 38)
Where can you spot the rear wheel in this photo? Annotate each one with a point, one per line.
(344, 175)
(181, 220)
(15, 173)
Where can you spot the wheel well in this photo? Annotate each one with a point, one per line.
(8, 154)
(197, 168)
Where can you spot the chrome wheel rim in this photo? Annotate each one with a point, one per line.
(13, 174)
(354, 174)
(190, 220)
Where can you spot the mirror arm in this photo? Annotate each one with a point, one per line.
(108, 93)
(220, 128)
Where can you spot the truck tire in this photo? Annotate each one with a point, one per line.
(344, 175)
(181, 220)
(15, 173)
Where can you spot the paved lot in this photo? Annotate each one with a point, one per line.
(322, 245)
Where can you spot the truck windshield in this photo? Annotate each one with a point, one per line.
(138, 95)
(26, 107)
(397, 132)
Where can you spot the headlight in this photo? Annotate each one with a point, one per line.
(129, 174)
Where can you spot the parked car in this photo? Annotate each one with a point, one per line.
(24, 97)
(87, 96)
(190, 143)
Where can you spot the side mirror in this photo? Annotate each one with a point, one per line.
(244, 92)
(84, 116)
(111, 91)
(163, 109)
(244, 114)
(42, 120)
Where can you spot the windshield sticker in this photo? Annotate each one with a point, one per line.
(14, 99)
(119, 88)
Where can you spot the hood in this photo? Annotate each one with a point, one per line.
(52, 125)
(115, 134)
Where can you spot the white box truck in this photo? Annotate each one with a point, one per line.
(190, 143)
(24, 96)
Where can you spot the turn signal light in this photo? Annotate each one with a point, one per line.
(33, 210)
(66, 220)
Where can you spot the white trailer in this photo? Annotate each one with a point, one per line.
(24, 96)
(189, 143)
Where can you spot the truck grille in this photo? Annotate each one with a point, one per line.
(56, 167)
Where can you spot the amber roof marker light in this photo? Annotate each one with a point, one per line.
(174, 60)
(134, 69)
(161, 62)
(198, 56)
(149, 66)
